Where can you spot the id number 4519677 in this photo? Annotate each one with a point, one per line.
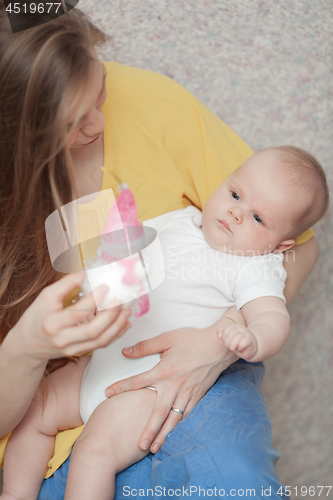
(32, 8)
(304, 491)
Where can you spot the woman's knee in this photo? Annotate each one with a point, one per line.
(226, 440)
(230, 473)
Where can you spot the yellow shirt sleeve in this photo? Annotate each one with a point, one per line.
(169, 148)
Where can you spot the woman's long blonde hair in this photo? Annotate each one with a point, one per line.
(41, 69)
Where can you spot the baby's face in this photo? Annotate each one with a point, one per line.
(252, 210)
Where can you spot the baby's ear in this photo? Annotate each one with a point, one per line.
(284, 245)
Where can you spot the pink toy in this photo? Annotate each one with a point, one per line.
(120, 244)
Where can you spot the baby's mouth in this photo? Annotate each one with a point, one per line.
(225, 224)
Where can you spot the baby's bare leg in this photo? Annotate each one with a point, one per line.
(31, 444)
(109, 444)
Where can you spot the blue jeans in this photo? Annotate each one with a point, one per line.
(222, 448)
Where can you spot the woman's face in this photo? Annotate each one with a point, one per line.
(91, 124)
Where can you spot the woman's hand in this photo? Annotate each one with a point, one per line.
(191, 361)
(46, 330)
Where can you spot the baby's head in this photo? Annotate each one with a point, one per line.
(272, 198)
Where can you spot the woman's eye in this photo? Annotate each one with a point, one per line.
(257, 218)
(235, 195)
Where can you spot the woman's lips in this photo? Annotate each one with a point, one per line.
(93, 140)
(225, 224)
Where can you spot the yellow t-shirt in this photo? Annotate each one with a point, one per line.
(169, 148)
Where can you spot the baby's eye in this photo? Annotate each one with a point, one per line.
(235, 195)
(257, 218)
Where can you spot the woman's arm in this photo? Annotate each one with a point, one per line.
(20, 375)
(299, 262)
(192, 360)
(47, 331)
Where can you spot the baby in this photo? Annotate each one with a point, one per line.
(230, 254)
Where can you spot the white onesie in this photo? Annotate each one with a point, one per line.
(200, 285)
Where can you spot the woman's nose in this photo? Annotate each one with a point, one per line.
(236, 214)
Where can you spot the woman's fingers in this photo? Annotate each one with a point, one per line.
(169, 424)
(161, 412)
(190, 405)
(103, 341)
(109, 320)
(55, 321)
(146, 347)
(91, 301)
(130, 384)
(71, 332)
(98, 337)
(61, 288)
(83, 309)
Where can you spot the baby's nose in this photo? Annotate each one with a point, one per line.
(236, 214)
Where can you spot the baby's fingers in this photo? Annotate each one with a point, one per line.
(227, 332)
(220, 332)
(244, 343)
(232, 340)
(224, 331)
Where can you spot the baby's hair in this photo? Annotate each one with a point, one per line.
(307, 175)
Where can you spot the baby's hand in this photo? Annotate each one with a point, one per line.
(240, 340)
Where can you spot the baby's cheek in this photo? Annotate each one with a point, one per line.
(215, 240)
